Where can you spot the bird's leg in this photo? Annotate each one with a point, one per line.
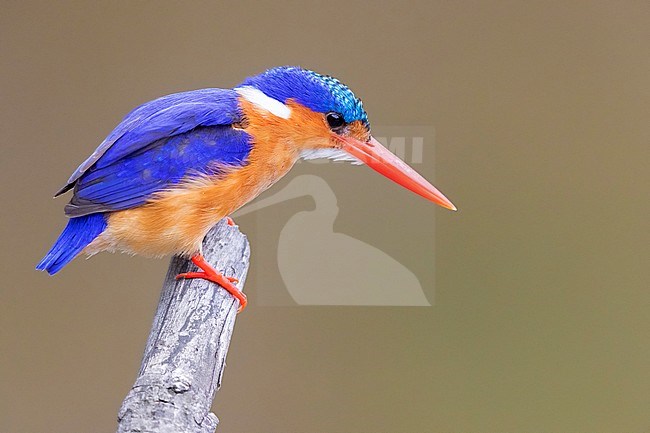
(230, 221)
(211, 274)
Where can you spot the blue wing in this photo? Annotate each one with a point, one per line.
(157, 145)
(162, 117)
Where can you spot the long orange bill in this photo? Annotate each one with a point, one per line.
(383, 161)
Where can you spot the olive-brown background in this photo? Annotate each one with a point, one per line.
(540, 321)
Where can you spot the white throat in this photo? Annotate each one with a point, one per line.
(333, 154)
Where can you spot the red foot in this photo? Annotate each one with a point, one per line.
(211, 274)
(230, 221)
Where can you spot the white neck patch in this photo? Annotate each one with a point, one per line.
(263, 101)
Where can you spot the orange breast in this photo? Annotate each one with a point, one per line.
(176, 221)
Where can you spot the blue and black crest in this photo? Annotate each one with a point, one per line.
(320, 93)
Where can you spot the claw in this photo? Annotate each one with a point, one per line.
(211, 274)
(190, 275)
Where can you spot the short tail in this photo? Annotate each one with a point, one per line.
(79, 232)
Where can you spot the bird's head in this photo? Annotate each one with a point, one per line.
(319, 117)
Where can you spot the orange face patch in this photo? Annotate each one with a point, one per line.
(358, 130)
(303, 130)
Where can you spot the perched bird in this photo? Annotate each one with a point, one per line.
(178, 164)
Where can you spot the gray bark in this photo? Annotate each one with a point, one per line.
(186, 352)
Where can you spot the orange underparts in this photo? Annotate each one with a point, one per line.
(211, 274)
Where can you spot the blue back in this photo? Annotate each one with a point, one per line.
(132, 180)
(156, 146)
(163, 117)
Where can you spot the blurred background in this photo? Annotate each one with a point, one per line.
(539, 289)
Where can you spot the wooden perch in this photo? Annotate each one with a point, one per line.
(186, 352)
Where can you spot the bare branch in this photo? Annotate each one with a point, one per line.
(186, 352)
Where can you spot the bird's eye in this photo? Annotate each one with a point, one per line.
(335, 120)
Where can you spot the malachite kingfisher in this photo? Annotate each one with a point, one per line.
(177, 165)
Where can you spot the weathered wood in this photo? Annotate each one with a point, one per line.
(186, 352)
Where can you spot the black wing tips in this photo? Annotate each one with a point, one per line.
(65, 189)
(79, 207)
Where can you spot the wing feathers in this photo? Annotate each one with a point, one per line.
(155, 147)
(132, 181)
(160, 118)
